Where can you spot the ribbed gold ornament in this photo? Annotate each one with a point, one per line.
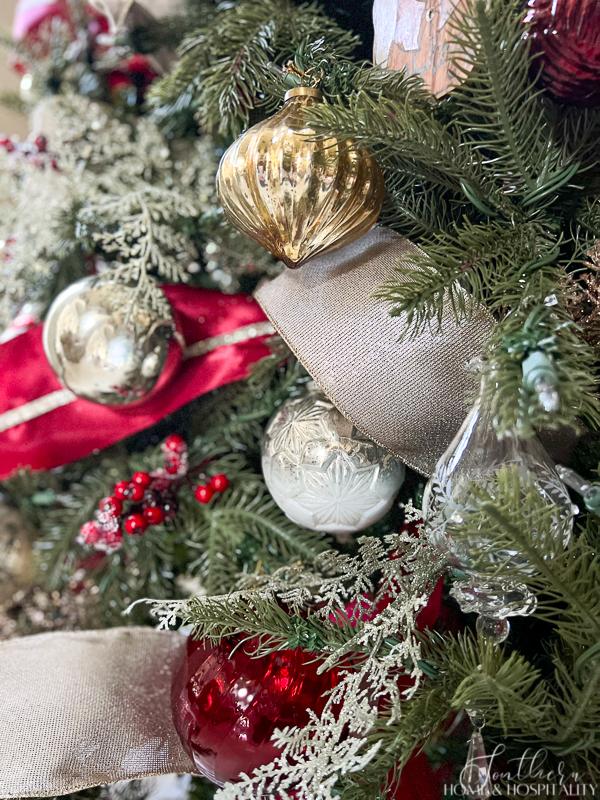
(295, 193)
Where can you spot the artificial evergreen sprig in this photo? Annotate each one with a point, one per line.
(498, 109)
(226, 67)
(564, 578)
(364, 600)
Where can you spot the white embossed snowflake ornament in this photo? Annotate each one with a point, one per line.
(322, 472)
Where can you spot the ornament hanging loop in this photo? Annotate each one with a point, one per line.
(311, 78)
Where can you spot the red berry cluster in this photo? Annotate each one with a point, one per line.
(146, 499)
(35, 151)
(205, 492)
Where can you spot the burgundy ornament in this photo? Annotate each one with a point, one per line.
(227, 704)
(566, 36)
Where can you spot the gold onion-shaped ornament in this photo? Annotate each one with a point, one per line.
(298, 194)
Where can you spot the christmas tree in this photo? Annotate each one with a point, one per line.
(300, 358)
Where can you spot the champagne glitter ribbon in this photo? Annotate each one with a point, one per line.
(87, 708)
(409, 396)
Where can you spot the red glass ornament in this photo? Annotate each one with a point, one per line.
(566, 35)
(227, 705)
(220, 483)
(203, 493)
(135, 523)
(418, 781)
(154, 515)
(142, 479)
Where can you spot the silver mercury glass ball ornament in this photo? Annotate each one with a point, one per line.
(323, 473)
(106, 348)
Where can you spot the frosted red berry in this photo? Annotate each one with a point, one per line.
(220, 482)
(136, 492)
(143, 479)
(204, 493)
(111, 540)
(90, 532)
(138, 63)
(135, 523)
(173, 465)
(175, 443)
(121, 490)
(41, 143)
(154, 515)
(111, 505)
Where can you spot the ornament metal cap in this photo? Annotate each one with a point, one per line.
(302, 91)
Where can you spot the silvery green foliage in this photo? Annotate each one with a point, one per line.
(314, 757)
(344, 622)
(121, 190)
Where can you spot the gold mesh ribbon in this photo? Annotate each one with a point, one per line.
(409, 396)
(87, 708)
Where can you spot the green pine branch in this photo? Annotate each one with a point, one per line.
(243, 528)
(463, 267)
(227, 66)
(516, 407)
(408, 140)
(499, 111)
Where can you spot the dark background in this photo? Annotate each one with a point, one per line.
(356, 15)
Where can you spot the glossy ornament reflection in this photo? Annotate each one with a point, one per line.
(106, 348)
(227, 704)
(565, 39)
(298, 194)
(323, 473)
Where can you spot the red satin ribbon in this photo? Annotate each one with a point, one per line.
(75, 430)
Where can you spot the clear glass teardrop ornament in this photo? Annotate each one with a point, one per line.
(479, 457)
(475, 776)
